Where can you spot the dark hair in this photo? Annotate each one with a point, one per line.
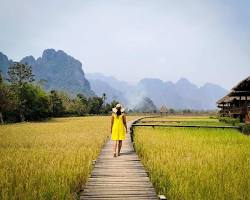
(118, 112)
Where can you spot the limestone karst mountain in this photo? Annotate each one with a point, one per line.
(57, 69)
(180, 95)
(63, 72)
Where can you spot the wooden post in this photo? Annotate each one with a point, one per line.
(241, 114)
(223, 109)
(240, 102)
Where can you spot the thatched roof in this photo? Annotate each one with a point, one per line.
(243, 85)
(228, 98)
(242, 88)
(224, 100)
(163, 109)
(235, 93)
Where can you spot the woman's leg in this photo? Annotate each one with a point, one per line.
(115, 146)
(119, 147)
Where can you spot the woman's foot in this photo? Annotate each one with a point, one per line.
(114, 155)
(119, 154)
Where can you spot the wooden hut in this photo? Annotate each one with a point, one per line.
(237, 103)
(224, 105)
(163, 110)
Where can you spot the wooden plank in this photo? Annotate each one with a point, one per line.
(122, 177)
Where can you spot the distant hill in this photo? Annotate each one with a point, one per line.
(180, 95)
(114, 88)
(112, 81)
(100, 87)
(4, 64)
(59, 70)
(63, 72)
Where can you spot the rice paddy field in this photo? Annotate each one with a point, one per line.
(49, 160)
(195, 163)
(180, 120)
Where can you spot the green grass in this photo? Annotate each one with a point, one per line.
(49, 160)
(181, 118)
(189, 163)
(185, 120)
(202, 123)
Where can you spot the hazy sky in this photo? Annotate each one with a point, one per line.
(202, 40)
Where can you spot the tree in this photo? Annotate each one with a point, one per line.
(36, 102)
(4, 102)
(95, 105)
(171, 111)
(19, 75)
(104, 97)
(107, 108)
(57, 107)
(1, 77)
(7, 100)
(83, 99)
(78, 107)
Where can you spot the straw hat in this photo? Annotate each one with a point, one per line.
(118, 106)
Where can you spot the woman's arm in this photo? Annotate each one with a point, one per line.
(112, 122)
(124, 121)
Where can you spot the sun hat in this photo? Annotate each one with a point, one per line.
(117, 107)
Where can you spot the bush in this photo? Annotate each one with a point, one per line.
(36, 102)
(229, 120)
(245, 129)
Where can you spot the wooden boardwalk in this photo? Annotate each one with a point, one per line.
(122, 177)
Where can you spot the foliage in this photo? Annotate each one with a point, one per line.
(229, 120)
(1, 77)
(245, 128)
(57, 107)
(7, 99)
(20, 73)
(23, 100)
(108, 107)
(19, 76)
(95, 105)
(36, 104)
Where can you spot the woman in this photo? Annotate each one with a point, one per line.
(118, 128)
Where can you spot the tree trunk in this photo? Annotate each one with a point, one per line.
(21, 117)
(1, 118)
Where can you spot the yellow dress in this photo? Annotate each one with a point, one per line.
(118, 129)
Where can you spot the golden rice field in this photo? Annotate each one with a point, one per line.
(189, 163)
(49, 160)
(179, 118)
(185, 120)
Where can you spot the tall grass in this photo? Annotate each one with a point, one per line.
(182, 118)
(49, 160)
(186, 163)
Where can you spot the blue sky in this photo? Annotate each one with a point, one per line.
(204, 41)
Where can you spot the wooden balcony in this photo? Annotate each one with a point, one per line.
(235, 111)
